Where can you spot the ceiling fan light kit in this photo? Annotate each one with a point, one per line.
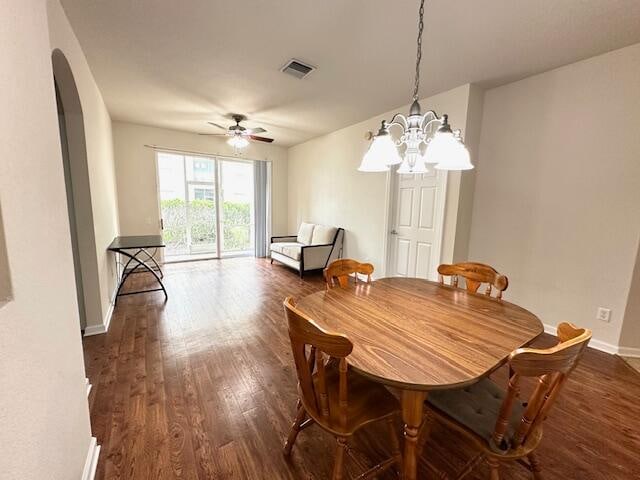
(239, 136)
(444, 148)
(238, 142)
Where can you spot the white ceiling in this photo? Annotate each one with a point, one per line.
(178, 64)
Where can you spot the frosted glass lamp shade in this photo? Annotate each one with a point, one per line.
(427, 158)
(382, 153)
(238, 142)
(419, 166)
(458, 160)
(448, 152)
(405, 168)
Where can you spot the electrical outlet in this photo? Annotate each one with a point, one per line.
(604, 314)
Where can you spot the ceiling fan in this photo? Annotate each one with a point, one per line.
(239, 136)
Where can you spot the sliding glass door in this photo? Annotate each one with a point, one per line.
(201, 196)
(237, 214)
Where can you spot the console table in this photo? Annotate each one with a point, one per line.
(135, 249)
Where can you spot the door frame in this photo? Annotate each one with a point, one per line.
(77, 185)
(391, 196)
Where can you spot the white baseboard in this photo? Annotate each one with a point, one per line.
(91, 463)
(604, 347)
(629, 352)
(594, 343)
(94, 330)
(104, 328)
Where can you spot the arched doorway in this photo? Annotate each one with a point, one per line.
(77, 186)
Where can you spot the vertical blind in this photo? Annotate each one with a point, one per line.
(261, 205)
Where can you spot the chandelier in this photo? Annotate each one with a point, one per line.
(424, 139)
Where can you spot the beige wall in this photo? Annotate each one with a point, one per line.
(326, 187)
(464, 197)
(44, 418)
(557, 199)
(630, 332)
(136, 172)
(99, 145)
(6, 292)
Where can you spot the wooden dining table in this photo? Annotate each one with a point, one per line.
(417, 335)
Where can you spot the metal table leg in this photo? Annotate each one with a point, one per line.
(154, 261)
(140, 264)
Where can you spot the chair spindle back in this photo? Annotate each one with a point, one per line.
(552, 367)
(312, 347)
(339, 270)
(474, 274)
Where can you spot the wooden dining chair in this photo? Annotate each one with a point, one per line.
(497, 422)
(340, 270)
(337, 399)
(474, 274)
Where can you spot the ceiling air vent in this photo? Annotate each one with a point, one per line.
(297, 68)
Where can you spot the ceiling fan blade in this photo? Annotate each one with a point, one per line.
(213, 134)
(253, 131)
(261, 139)
(216, 125)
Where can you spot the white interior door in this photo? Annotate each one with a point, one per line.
(417, 215)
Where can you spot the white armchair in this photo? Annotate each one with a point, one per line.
(313, 248)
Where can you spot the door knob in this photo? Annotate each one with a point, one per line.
(393, 232)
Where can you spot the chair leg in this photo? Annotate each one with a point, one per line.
(295, 429)
(272, 261)
(494, 465)
(395, 444)
(535, 466)
(338, 466)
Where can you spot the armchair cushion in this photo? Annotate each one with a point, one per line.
(289, 249)
(305, 233)
(323, 235)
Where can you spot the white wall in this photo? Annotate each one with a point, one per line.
(557, 199)
(44, 418)
(326, 187)
(99, 144)
(136, 172)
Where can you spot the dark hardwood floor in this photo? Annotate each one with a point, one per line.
(203, 387)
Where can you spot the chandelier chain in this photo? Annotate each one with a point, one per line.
(416, 85)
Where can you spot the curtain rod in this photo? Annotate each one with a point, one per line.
(206, 154)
